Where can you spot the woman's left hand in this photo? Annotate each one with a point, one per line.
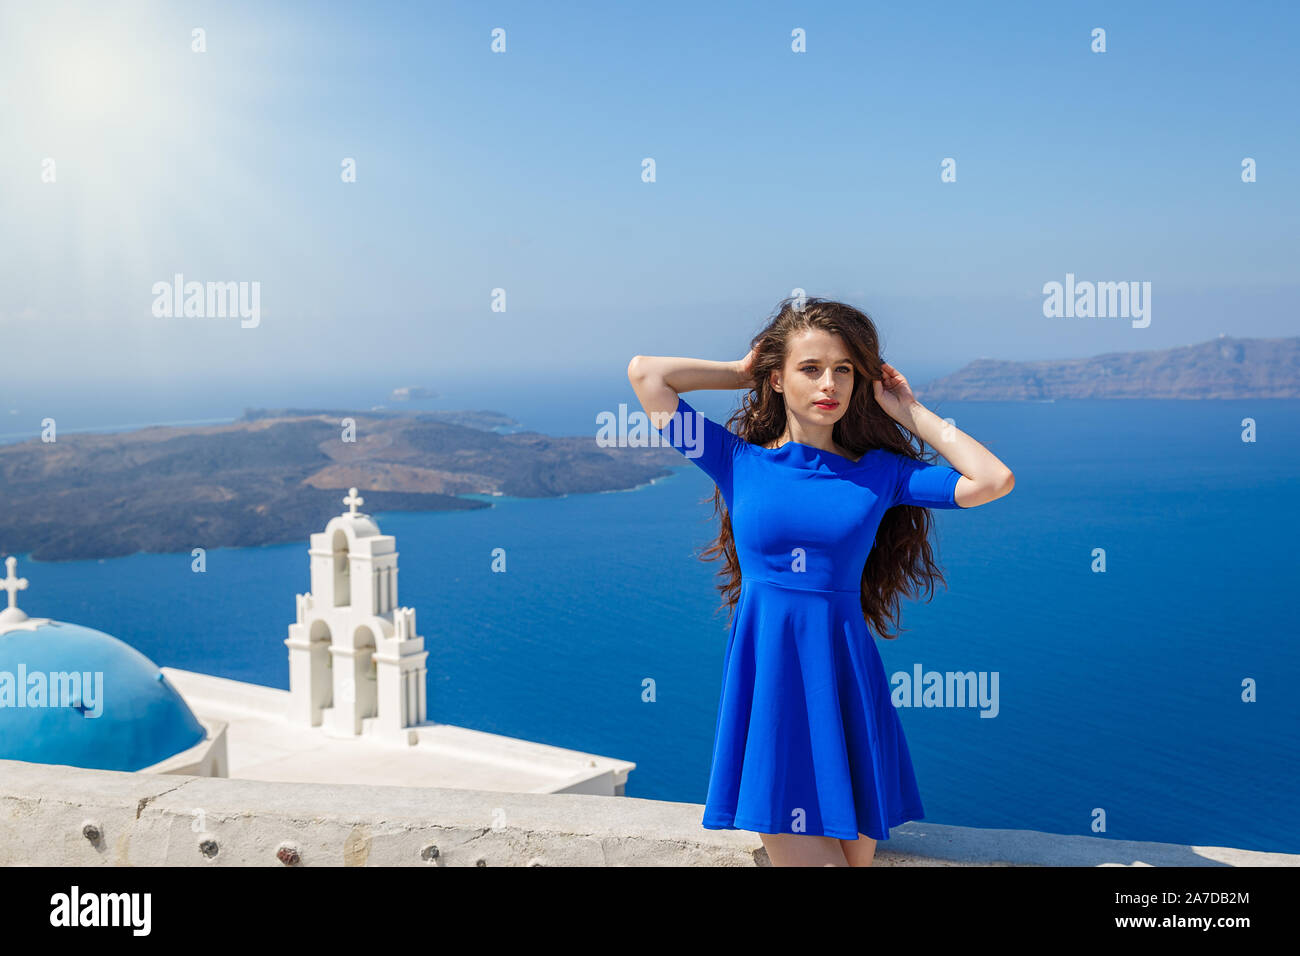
(894, 395)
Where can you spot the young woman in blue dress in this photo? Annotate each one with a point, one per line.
(807, 373)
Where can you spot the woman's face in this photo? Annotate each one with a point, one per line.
(817, 380)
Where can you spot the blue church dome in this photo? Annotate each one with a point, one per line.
(117, 713)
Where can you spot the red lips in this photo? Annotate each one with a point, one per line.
(827, 405)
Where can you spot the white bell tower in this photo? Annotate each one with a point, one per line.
(356, 663)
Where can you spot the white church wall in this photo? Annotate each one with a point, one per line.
(207, 758)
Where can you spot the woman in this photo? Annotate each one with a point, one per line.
(825, 527)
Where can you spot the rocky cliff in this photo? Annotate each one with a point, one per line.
(1221, 368)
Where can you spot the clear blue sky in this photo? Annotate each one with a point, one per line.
(522, 170)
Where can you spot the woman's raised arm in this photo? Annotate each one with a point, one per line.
(659, 379)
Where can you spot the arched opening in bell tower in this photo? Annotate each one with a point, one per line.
(366, 676)
(342, 570)
(320, 638)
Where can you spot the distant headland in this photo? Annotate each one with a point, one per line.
(1220, 368)
(269, 477)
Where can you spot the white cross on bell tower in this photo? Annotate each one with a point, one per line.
(352, 500)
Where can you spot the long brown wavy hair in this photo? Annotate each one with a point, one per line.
(901, 560)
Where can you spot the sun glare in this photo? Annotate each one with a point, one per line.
(88, 82)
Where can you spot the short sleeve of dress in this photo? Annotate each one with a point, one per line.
(924, 484)
(704, 442)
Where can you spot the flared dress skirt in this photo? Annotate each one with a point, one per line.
(807, 738)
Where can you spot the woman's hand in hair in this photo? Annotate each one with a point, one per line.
(984, 477)
(746, 369)
(894, 395)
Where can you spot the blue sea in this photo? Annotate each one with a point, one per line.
(1120, 693)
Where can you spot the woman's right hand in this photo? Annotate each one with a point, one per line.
(745, 367)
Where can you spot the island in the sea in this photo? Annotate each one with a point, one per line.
(1220, 368)
(268, 477)
(409, 393)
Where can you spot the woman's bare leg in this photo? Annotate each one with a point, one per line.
(859, 852)
(800, 849)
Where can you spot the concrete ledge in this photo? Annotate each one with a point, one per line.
(919, 844)
(140, 819)
(168, 820)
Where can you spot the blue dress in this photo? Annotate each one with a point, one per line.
(807, 739)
